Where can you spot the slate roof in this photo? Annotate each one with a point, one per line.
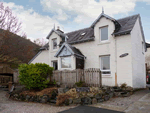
(76, 37)
(125, 26)
(46, 46)
(72, 49)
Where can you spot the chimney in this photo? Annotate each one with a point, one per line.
(59, 29)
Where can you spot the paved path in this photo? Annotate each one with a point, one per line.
(137, 103)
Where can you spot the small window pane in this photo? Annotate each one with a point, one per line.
(105, 62)
(55, 65)
(104, 33)
(66, 62)
(54, 43)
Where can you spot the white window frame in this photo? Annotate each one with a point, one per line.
(100, 34)
(101, 66)
(61, 62)
(53, 44)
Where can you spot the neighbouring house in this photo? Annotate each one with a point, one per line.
(14, 50)
(116, 46)
(147, 57)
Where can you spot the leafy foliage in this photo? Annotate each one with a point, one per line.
(80, 84)
(34, 76)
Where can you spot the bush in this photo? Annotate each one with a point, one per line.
(80, 84)
(34, 76)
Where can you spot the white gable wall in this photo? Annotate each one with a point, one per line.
(42, 57)
(138, 57)
(124, 64)
(51, 51)
(94, 49)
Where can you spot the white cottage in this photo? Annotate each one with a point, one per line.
(117, 47)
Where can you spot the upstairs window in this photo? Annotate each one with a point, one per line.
(54, 43)
(104, 34)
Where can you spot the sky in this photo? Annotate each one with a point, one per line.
(39, 16)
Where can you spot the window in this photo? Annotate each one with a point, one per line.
(105, 64)
(104, 34)
(66, 62)
(54, 43)
(55, 65)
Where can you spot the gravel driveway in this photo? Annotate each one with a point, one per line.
(126, 104)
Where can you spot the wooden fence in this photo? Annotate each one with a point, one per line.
(4, 80)
(91, 76)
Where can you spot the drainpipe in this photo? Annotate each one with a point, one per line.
(116, 60)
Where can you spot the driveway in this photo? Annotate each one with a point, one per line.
(137, 103)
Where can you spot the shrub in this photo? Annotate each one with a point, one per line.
(33, 76)
(124, 85)
(80, 84)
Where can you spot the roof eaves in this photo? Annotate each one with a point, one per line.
(102, 15)
(34, 57)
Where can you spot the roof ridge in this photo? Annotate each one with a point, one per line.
(127, 17)
(77, 30)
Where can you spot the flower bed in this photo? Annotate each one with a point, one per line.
(67, 96)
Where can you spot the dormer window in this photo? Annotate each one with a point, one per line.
(104, 34)
(54, 41)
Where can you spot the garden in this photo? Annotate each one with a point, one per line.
(38, 87)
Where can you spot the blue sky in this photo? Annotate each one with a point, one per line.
(38, 16)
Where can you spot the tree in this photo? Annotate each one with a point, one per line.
(40, 41)
(11, 49)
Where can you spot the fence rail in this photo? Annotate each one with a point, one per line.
(4, 80)
(91, 76)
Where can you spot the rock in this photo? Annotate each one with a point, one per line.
(60, 90)
(98, 96)
(94, 101)
(111, 94)
(128, 88)
(117, 94)
(22, 97)
(65, 90)
(27, 98)
(82, 89)
(106, 97)
(94, 89)
(125, 94)
(44, 99)
(54, 94)
(66, 102)
(32, 99)
(53, 101)
(86, 100)
(90, 94)
(100, 100)
(70, 100)
(77, 101)
(72, 92)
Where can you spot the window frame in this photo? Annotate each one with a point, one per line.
(100, 34)
(102, 64)
(70, 62)
(53, 43)
(53, 64)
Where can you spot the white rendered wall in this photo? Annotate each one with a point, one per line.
(124, 64)
(94, 49)
(42, 57)
(138, 57)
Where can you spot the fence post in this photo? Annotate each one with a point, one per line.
(100, 78)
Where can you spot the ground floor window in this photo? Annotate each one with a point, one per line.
(105, 65)
(66, 62)
(55, 65)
